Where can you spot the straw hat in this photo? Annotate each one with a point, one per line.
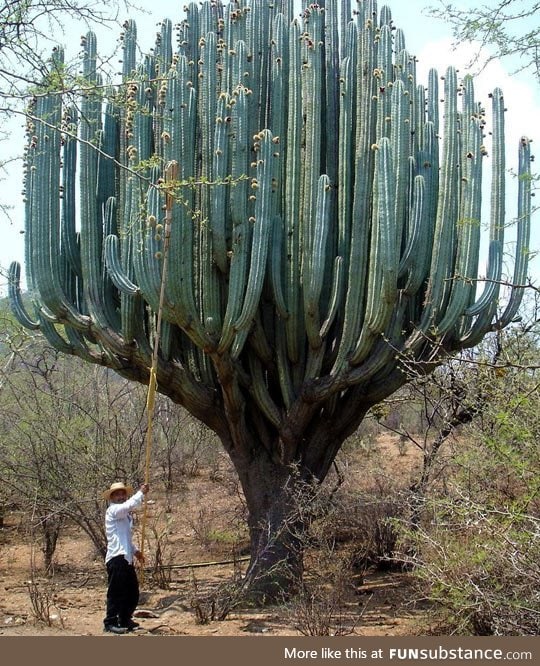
(118, 485)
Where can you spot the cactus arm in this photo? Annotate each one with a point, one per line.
(147, 256)
(54, 338)
(78, 346)
(163, 48)
(129, 49)
(441, 261)
(261, 232)
(107, 156)
(131, 315)
(181, 125)
(240, 68)
(241, 231)
(206, 12)
(15, 298)
(399, 40)
(385, 18)
(276, 267)
(494, 272)
(332, 68)
(468, 236)
(416, 255)
(69, 237)
(314, 362)
(219, 188)
(209, 285)
(498, 183)
(278, 96)
(433, 100)
(523, 234)
(486, 306)
(414, 239)
(283, 366)
(136, 145)
(314, 271)
(260, 392)
(294, 325)
(260, 32)
(47, 260)
(400, 133)
(121, 108)
(468, 232)
(495, 259)
(189, 33)
(174, 114)
(120, 280)
(356, 273)
(90, 215)
(419, 119)
(345, 22)
(132, 318)
(382, 290)
(335, 297)
(259, 336)
(384, 77)
(346, 149)
(313, 86)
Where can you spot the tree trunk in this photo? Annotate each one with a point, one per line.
(51, 527)
(277, 498)
(279, 472)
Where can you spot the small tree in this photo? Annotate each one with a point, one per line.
(475, 532)
(66, 430)
(503, 28)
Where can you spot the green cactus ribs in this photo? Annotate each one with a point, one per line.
(317, 222)
(326, 220)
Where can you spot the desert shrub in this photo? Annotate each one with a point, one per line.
(482, 569)
(321, 606)
(336, 547)
(477, 547)
(376, 536)
(364, 521)
(215, 603)
(68, 431)
(183, 446)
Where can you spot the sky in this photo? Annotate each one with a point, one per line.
(426, 37)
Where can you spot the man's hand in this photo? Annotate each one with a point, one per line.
(139, 556)
(144, 488)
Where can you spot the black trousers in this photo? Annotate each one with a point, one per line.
(122, 592)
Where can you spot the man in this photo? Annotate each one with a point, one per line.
(123, 586)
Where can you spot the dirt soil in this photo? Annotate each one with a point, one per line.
(204, 520)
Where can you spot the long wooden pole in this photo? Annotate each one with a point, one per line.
(171, 177)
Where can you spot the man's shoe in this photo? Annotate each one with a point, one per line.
(117, 630)
(132, 625)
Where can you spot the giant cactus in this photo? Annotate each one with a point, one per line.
(318, 231)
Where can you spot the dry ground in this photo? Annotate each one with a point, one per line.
(204, 521)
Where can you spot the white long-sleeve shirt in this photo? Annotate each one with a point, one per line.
(118, 527)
